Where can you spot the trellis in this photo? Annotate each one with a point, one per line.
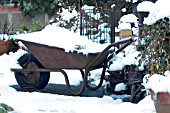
(98, 24)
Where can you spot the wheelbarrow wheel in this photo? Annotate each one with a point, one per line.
(31, 81)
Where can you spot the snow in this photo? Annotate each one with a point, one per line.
(145, 6)
(124, 26)
(130, 56)
(120, 87)
(167, 73)
(65, 15)
(88, 8)
(37, 102)
(131, 0)
(126, 20)
(129, 18)
(158, 80)
(63, 38)
(10, 59)
(158, 10)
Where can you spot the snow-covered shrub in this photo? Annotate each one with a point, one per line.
(157, 46)
(68, 18)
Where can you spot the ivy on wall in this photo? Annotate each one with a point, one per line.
(156, 52)
(33, 7)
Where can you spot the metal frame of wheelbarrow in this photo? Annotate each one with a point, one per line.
(99, 61)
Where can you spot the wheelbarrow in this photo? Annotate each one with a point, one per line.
(42, 59)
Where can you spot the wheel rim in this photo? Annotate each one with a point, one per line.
(31, 77)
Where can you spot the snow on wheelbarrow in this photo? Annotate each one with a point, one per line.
(42, 59)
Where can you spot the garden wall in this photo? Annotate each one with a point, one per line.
(17, 19)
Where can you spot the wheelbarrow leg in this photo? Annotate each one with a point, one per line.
(68, 84)
(82, 73)
(101, 79)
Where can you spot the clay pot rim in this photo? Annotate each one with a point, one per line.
(160, 97)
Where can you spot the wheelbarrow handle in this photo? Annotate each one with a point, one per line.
(120, 42)
(106, 51)
(103, 56)
(119, 50)
(123, 47)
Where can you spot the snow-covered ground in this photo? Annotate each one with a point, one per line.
(37, 102)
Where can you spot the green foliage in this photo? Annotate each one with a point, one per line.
(72, 24)
(32, 7)
(157, 40)
(2, 2)
(100, 2)
(14, 45)
(93, 2)
(4, 108)
(36, 26)
(24, 29)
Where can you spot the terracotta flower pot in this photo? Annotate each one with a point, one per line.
(161, 101)
(5, 46)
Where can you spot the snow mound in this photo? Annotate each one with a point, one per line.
(158, 83)
(63, 38)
